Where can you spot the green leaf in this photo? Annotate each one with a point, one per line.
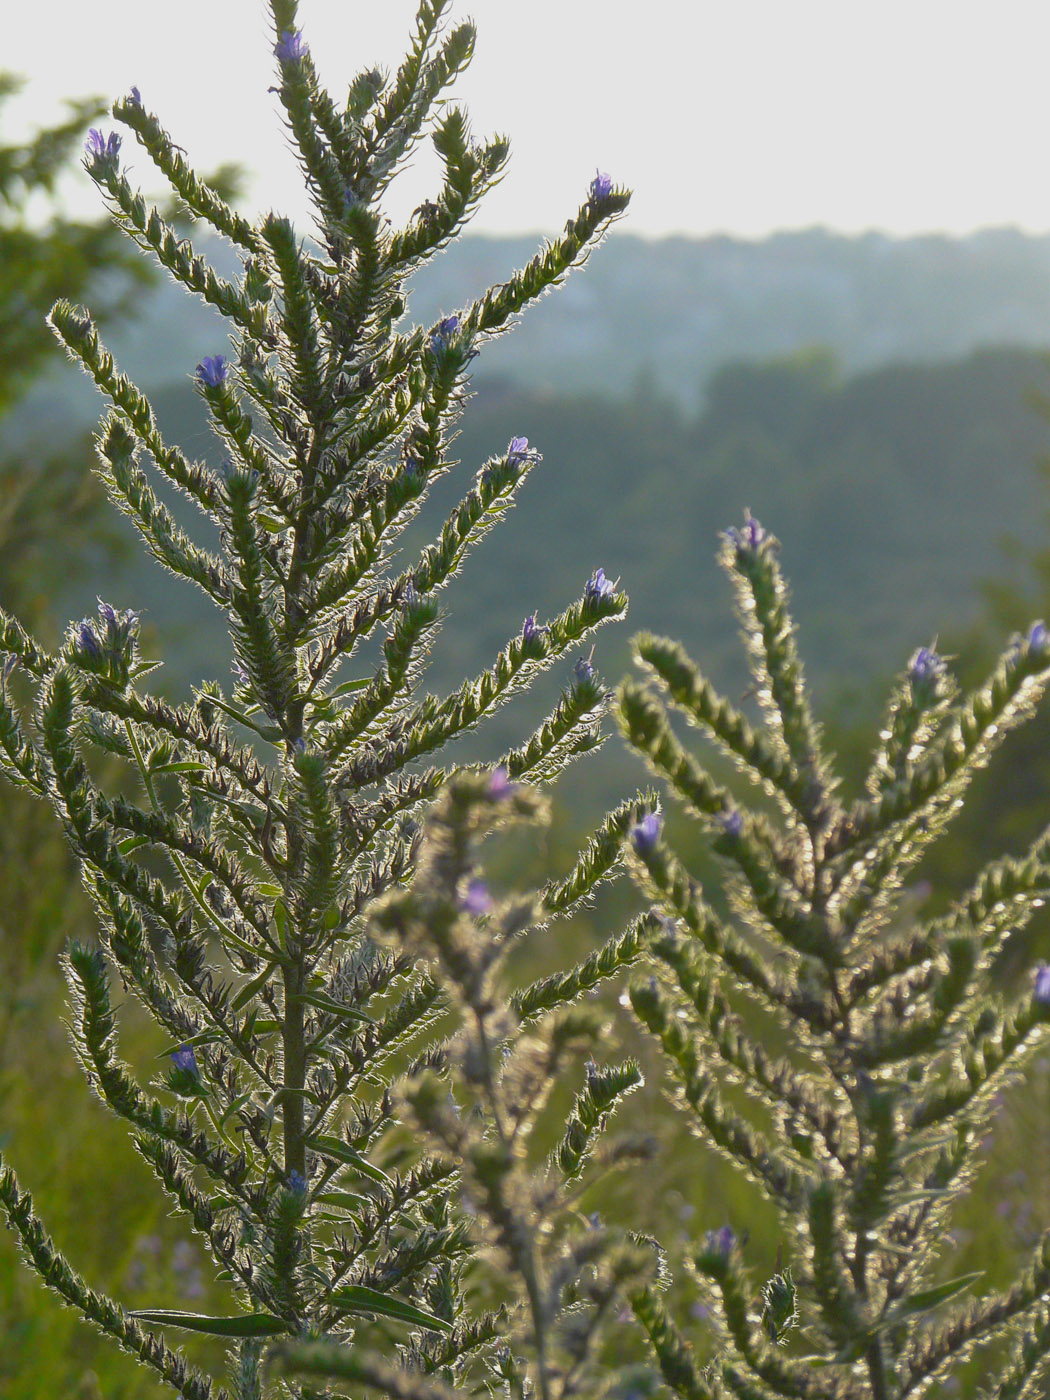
(245, 1325)
(280, 918)
(348, 687)
(928, 1298)
(189, 766)
(131, 843)
(357, 1299)
(246, 993)
(201, 1038)
(144, 668)
(336, 1008)
(343, 1152)
(347, 1199)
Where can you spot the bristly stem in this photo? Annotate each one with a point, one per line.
(293, 1039)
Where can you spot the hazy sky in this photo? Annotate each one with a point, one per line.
(723, 115)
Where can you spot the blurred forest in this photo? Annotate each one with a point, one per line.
(878, 404)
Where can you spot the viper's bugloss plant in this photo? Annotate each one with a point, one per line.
(562, 1276)
(887, 1043)
(234, 893)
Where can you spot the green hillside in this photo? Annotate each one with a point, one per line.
(892, 491)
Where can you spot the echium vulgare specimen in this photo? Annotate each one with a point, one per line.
(233, 896)
(564, 1276)
(888, 1043)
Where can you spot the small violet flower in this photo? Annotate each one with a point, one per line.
(517, 451)
(720, 1242)
(531, 630)
(136, 97)
(290, 47)
(601, 186)
(441, 338)
(499, 785)
(644, 836)
(297, 1183)
(599, 587)
(1041, 991)
(731, 822)
(1038, 638)
(750, 537)
(101, 148)
(184, 1059)
(212, 370)
(87, 640)
(925, 665)
(476, 899)
(583, 671)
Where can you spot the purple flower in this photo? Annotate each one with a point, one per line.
(240, 675)
(441, 338)
(599, 587)
(925, 665)
(731, 822)
(749, 537)
(644, 836)
(517, 450)
(500, 785)
(290, 47)
(476, 898)
(101, 148)
(136, 97)
(1042, 984)
(601, 186)
(297, 1183)
(212, 370)
(583, 671)
(720, 1242)
(531, 630)
(184, 1059)
(87, 640)
(1038, 638)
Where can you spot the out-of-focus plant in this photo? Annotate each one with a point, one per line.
(561, 1275)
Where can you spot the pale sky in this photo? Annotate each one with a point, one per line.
(738, 116)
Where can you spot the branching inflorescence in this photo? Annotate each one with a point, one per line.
(894, 1044)
(234, 895)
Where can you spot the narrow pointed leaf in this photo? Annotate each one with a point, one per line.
(357, 1299)
(342, 1152)
(245, 1325)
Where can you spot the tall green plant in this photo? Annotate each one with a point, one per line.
(561, 1275)
(886, 1041)
(233, 897)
